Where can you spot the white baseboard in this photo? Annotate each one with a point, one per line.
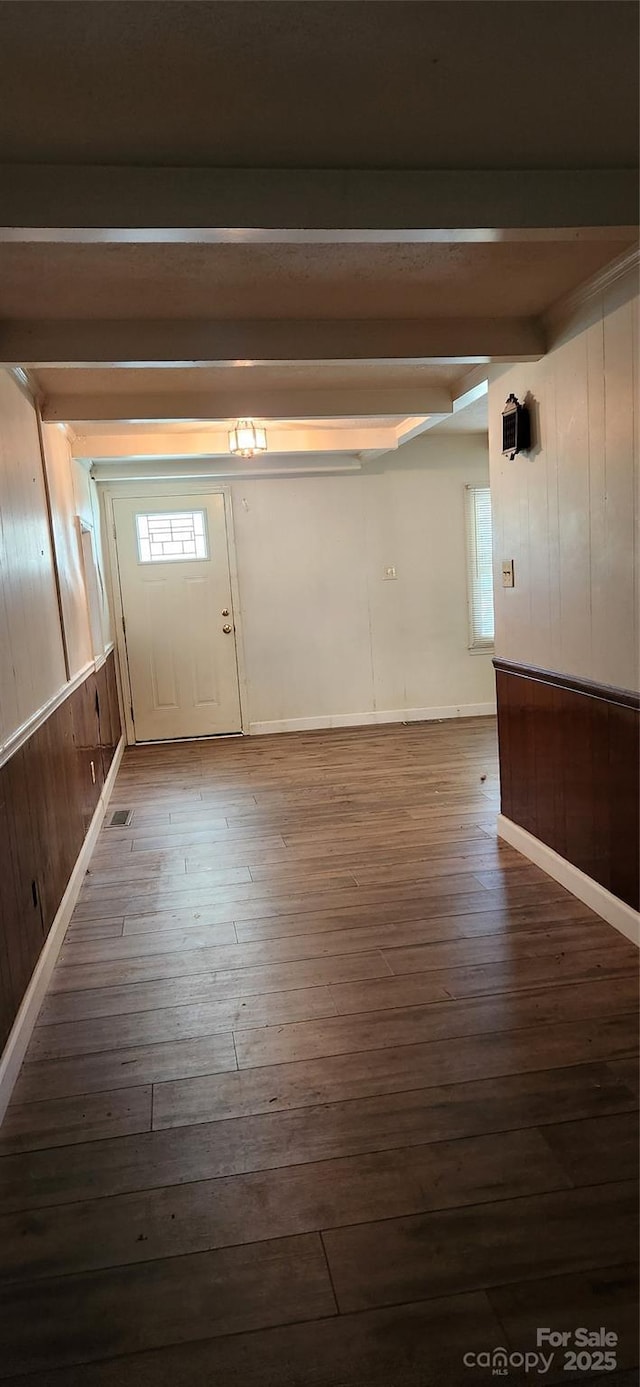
(461, 710)
(614, 911)
(20, 1034)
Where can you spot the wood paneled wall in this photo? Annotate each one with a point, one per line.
(564, 512)
(569, 769)
(47, 800)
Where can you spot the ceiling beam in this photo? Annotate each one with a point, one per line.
(229, 469)
(247, 403)
(465, 391)
(185, 342)
(405, 432)
(477, 379)
(214, 443)
(412, 428)
(88, 203)
(470, 396)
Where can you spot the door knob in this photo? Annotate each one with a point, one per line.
(227, 629)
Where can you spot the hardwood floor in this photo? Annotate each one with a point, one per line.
(330, 1087)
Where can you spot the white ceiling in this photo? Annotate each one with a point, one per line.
(258, 377)
(507, 126)
(134, 419)
(474, 418)
(248, 282)
(385, 85)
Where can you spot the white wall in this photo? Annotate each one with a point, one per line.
(87, 509)
(74, 507)
(32, 667)
(68, 549)
(39, 555)
(567, 513)
(325, 635)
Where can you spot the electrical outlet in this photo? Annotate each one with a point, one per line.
(390, 573)
(508, 576)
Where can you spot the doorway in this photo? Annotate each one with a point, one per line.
(179, 629)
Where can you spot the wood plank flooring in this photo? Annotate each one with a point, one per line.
(330, 1086)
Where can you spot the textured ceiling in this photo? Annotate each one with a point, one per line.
(473, 419)
(373, 85)
(292, 281)
(303, 375)
(377, 84)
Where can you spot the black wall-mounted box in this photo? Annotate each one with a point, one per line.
(516, 428)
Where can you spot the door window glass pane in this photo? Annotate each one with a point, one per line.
(167, 536)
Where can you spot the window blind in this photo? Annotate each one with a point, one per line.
(479, 568)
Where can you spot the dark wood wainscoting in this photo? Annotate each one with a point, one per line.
(47, 800)
(569, 768)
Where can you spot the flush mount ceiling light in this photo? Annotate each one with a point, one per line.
(247, 439)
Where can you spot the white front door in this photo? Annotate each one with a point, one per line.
(173, 565)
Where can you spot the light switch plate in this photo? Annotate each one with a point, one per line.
(508, 578)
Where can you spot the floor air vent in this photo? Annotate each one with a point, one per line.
(120, 819)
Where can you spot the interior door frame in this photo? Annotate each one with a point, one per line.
(146, 492)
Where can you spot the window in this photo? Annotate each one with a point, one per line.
(479, 568)
(169, 536)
